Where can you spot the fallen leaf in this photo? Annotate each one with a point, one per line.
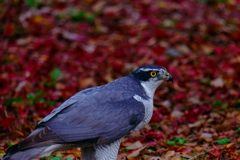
(135, 153)
(168, 155)
(223, 141)
(206, 136)
(135, 145)
(217, 82)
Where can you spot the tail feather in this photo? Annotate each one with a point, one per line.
(25, 154)
(33, 145)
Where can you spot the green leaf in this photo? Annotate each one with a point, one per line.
(31, 96)
(78, 16)
(180, 141)
(222, 1)
(32, 3)
(194, 154)
(217, 103)
(55, 158)
(205, 81)
(175, 141)
(34, 97)
(55, 74)
(9, 144)
(125, 150)
(90, 18)
(201, 1)
(224, 106)
(51, 103)
(2, 154)
(11, 100)
(38, 93)
(151, 149)
(223, 141)
(171, 143)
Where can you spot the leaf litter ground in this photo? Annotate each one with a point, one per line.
(52, 49)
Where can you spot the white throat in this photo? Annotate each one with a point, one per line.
(150, 87)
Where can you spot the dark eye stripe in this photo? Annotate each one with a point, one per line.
(145, 74)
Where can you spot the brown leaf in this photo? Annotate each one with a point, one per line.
(168, 155)
(135, 145)
(136, 152)
(15, 134)
(87, 82)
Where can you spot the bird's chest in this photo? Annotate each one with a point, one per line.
(148, 104)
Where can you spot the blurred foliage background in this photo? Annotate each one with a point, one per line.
(52, 49)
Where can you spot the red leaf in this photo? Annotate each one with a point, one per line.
(157, 117)
(215, 151)
(236, 36)
(8, 30)
(7, 122)
(180, 96)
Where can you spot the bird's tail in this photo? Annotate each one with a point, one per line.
(23, 155)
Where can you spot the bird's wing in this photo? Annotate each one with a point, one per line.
(80, 96)
(101, 117)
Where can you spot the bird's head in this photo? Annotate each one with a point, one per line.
(151, 76)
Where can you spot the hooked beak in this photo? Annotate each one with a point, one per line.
(169, 78)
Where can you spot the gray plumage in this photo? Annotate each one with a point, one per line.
(94, 119)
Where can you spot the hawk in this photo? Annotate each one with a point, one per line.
(95, 119)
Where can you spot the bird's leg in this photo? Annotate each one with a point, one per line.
(107, 151)
(88, 153)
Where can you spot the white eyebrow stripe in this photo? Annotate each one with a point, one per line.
(149, 69)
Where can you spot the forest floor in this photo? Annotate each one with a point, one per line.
(52, 49)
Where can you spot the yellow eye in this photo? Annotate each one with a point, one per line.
(153, 74)
(167, 74)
